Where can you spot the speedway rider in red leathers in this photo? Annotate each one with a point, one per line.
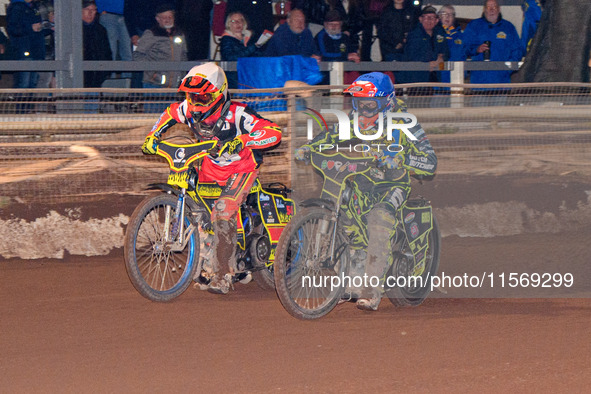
(241, 133)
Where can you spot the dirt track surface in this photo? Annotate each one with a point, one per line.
(79, 326)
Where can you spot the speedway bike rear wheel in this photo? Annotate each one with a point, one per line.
(311, 258)
(156, 269)
(415, 291)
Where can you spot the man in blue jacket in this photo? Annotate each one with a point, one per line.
(23, 24)
(505, 44)
(532, 12)
(292, 38)
(426, 43)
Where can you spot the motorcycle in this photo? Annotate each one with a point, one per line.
(168, 240)
(315, 252)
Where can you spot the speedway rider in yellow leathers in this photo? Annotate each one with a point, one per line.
(242, 134)
(373, 94)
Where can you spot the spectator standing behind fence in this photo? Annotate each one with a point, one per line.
(112, 19)
(505, 44)
(397, 20)
(45, 7)
(139, 17)
(454, 37)
(426, 43)
(532, 12)
(335, 46)
(23, 24)
(163, 42)
(370, 17)
(193, 19)
(236, 42)
(95, 44)
(259, 14)
(292, 38)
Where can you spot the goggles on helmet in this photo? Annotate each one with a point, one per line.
(369, 105)
(202, 99)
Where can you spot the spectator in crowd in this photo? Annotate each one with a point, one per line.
(112, 18)
(453, 33)
(292, 38)
(3, 45)
(453, 36)
(397, 20)
(23, 24)
(95, 44)
(505, 44)
(163, 42)
(3, 48)
(45, 7)
(236, 42)
(370, 17)
(532, 12)
(352, 13)
(259, 14)
(335, 46)
(139, 17)
(193, 18)
(315, 11)
(426, 43)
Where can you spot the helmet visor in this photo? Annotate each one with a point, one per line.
(203, 99)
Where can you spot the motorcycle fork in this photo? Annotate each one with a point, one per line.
(179, 226)
(323, 232)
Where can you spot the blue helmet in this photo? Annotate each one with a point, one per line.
(375, 87)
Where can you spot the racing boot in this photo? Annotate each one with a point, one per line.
(370, 304)
(224, 255)
(220, 285)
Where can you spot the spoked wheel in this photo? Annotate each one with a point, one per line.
(409, 290)
(310, 264)
(155, 269)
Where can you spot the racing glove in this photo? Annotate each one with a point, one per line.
(302, 153)
(232, 147)
(390, 162)
(149, 147)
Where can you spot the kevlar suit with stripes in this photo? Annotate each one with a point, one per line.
(381, 191)
(235, 173)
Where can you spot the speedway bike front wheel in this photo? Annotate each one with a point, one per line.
(157, 269)
(311, 259)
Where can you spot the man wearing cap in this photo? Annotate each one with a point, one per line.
(95, 44)
(332, 44)
(426, 43)
(163, 42)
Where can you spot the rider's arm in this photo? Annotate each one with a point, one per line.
(325, 137)
(169, 118)
(420, 156)
(258, 132)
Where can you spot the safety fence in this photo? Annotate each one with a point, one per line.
(57, 145)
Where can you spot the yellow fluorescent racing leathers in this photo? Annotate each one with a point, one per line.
(403, 155)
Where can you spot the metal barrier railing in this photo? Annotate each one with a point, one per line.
(66, 74)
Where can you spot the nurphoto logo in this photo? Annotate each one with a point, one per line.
(395, 122)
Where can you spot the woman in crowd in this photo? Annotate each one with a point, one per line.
(235, 43)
